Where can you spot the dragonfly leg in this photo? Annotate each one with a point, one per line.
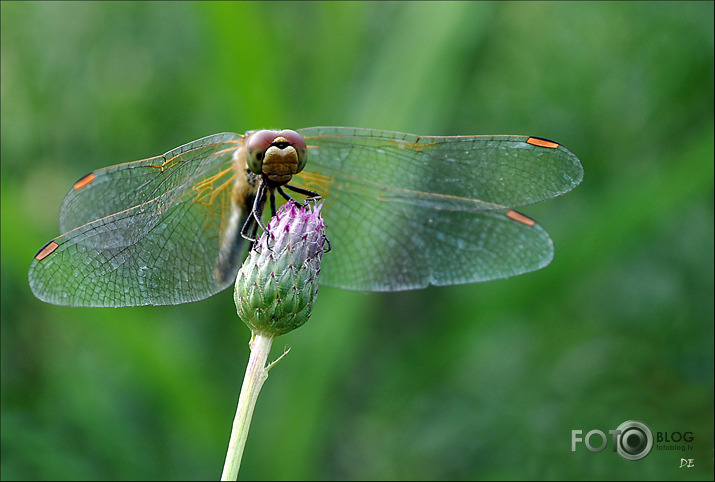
(258, 203)
(253, 222)
(285, 196)
(273, 202)
(248, 231)
(310, 195)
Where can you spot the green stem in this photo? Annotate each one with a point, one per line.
(256, 374)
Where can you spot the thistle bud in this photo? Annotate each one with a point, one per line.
(278, 282)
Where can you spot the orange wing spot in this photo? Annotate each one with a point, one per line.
(46, 250)
(538, 141)
(522, 218)
(84, 182)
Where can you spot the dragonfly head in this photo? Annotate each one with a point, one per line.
(277, 155)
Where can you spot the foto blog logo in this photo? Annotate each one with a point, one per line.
(633, 440)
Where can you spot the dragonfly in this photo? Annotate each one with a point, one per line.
(401, 211)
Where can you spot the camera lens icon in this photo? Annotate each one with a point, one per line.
(635, 440)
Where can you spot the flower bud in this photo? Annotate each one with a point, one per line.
(278, 282)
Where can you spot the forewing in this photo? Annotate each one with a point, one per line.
(158, 231)
(116, 188)
(404, 211)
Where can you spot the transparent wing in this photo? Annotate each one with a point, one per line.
(405, 211)
(163, 230)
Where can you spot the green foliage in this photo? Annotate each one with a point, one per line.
(468, 382)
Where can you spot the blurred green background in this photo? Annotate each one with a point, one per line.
(481, 381)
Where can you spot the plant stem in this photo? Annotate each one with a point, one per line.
(256, 374)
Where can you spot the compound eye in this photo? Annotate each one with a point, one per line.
(298, 143)
(256, 148)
